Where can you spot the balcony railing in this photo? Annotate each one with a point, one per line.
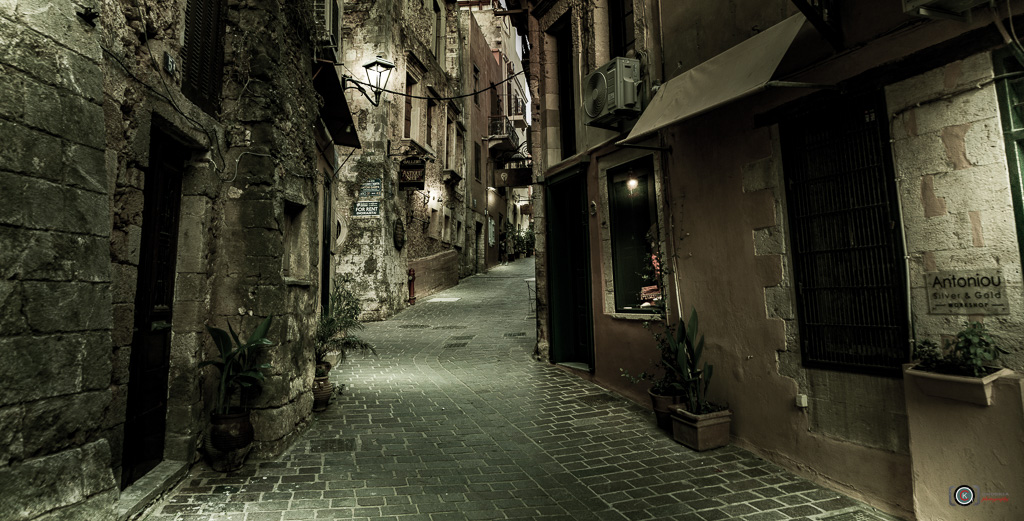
(501, 128)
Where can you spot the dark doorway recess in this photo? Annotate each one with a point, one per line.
(327, 236)
(145, 423)
(569, 271)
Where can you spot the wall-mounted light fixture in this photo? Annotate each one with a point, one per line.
(378, 72)
(632, 182)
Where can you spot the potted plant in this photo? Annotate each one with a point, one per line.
(962, 369)
(666, 387)
(322, 388)
(528, 239)
(241, 374)
(333, 337)
(699, 424)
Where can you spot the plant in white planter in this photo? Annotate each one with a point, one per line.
(963, 369)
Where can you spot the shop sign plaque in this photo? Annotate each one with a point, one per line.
(967, 292)
(367, 208)
(371, 188)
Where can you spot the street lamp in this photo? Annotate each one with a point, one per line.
(378, 72)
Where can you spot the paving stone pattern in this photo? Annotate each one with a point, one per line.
(454, 421)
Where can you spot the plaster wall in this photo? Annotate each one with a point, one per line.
(726, 206)
(957, 443)
(432, 273)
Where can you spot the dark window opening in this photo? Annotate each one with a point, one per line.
(847, 247)
(476, 84)
(409, 86)
(633, 226)
(562, 34)
(622, 33)
(430, 122)
(476, 161)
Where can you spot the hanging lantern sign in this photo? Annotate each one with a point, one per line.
(412, 173)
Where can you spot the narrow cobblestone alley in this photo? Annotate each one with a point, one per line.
(453, 420)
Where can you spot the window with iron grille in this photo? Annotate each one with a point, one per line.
(203, 53)
(846, 242)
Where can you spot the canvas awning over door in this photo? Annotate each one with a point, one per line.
(738, 72)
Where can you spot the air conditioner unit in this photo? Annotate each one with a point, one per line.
(957, 9)
(610, 93)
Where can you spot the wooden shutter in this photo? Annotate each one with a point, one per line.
(203, 60)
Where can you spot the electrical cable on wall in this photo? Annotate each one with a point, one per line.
(169, 97)
(460, 96)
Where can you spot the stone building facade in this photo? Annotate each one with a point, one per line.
(150, 193)
(447, 226)
(735, 204)
(418, 226)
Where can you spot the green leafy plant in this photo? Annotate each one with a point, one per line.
(691, 373)
(681, 370)
(972, 353)
(238, 365)
(339, 318)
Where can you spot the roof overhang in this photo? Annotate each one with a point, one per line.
(335, 112)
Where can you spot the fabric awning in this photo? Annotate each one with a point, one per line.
(738, 72)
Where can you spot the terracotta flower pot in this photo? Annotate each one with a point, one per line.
(660, 404)
(701, 431)
(322, 391)
(231, 431)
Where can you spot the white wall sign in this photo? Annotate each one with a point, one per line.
(967, 292)
(364, 208)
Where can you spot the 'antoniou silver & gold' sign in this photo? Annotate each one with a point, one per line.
(967, 292)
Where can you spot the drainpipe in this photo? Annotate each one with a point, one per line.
(906, 251)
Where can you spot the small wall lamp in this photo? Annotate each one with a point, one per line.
(378, 72)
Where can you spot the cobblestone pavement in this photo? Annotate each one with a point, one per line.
(453, 420)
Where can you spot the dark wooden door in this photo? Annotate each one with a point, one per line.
(145, 422)
(569, 271)
(325, 245)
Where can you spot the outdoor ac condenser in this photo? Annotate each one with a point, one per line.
(610, 93)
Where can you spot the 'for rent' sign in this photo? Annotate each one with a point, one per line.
(973, 292)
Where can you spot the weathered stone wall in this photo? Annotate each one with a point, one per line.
(365, 246)
(55, 288)
(955, 188)
(268, 95)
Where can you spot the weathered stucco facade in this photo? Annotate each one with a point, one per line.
(131, 209)
(727, 228)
